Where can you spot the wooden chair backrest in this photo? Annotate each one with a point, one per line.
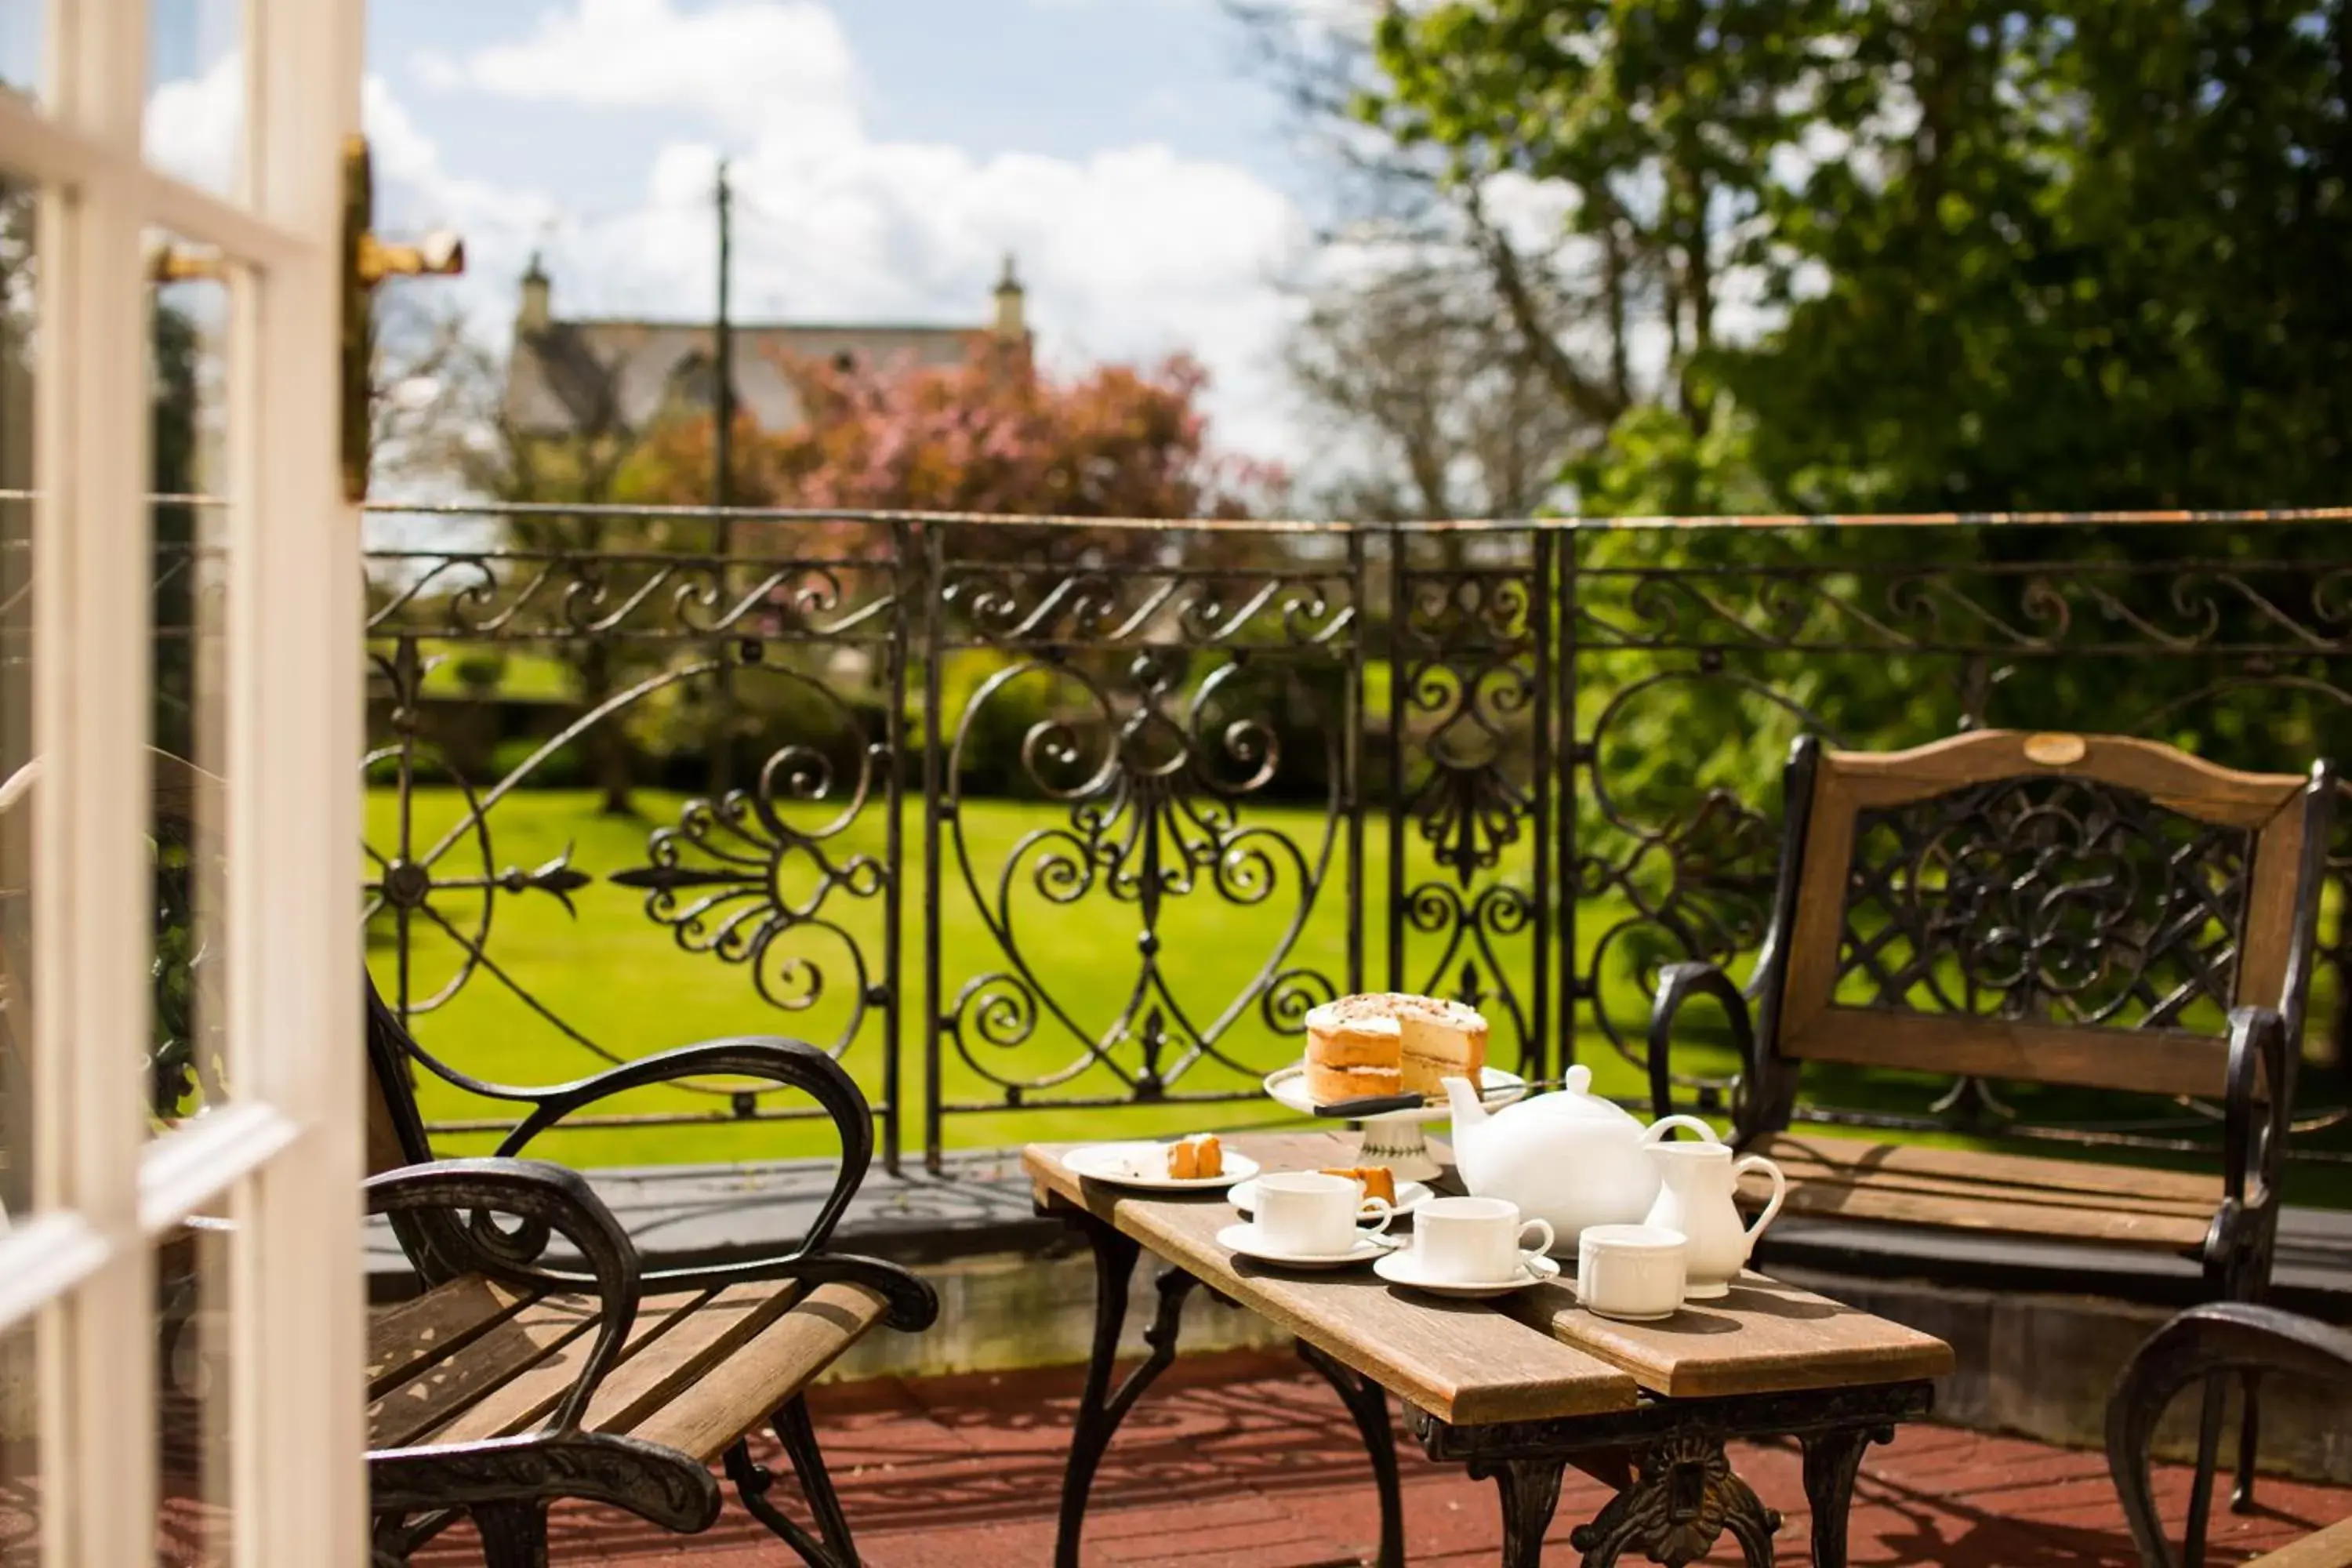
(2053, 908)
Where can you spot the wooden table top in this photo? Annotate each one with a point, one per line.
(1524, 1356)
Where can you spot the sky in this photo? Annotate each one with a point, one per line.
(886, 156)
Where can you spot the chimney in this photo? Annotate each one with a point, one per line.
(1012, 315)
(537, 313)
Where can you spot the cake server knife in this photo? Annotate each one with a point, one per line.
(1370, 1105)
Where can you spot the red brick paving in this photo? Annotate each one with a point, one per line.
(1245, 1461)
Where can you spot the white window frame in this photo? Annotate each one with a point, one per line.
(284, 1158)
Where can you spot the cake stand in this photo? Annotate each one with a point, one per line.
(1394, 1138)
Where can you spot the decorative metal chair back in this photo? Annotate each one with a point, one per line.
(2004, 905)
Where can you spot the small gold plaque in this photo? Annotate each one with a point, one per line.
(2054, 750)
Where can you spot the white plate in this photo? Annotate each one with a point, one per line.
(1411, 1195)
(1496, 1087)
(1246, 1240)
(1402, 1268)
(1124, 1165)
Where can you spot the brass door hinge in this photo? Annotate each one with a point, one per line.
(368, 261)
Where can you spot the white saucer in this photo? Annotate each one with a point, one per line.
(1411, 1195)
(1402, 1268)
(1246, 1240)
(1125, 1164)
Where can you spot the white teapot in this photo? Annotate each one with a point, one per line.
(1569, 1158)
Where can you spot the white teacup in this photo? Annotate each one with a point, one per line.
(1313, 1215)
(1630, 1271)
(1474, 1241)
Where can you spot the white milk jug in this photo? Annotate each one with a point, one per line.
(1696, 1182)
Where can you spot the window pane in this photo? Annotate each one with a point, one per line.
(20, 1449)
(195, 89)
(23, 35)
(187, 348)
(191, 1416)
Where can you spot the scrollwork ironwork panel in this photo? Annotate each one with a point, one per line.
(1911, 604)
(1158, 924)
(1671, 850)
(2049, 900)
(1470, 742)
(794, 663)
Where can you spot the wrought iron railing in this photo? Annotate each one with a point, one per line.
(1020, 816)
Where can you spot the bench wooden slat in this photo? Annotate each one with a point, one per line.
(1762, 1337)
(409, 1336)
(708, 1414)
(2150, 1060)
(1992, 1214)
(691, 1347)
(523, 1400)
(1973, 1190)
(1754, 1186)
(2331, 1548)
(495, 1360)
(1463, 1361)
(2001, 1169)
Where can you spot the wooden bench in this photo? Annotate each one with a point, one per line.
(2203, 1345)
(514, 1380)
(2082, 910)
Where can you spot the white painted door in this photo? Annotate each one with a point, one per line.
(168, 1398)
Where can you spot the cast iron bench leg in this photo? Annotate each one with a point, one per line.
(830, 1546)
(514, 1534)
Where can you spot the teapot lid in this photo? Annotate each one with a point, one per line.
(1575, 1097)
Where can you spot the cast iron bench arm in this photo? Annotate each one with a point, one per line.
(1677, 984)
(2256, 1115)
(2220, 1337)
(548, 1197)
(913, 1305)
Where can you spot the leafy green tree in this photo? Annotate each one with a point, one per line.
(2009, 256)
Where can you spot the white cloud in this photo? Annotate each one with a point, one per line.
(1128, 253)
(777, 68)
(193, 123)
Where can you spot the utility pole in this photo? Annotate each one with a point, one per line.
(722, 490)
(721, 746)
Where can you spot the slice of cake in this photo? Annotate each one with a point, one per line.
(1377, 1180)
(1196, 1158)
(1441, 1039)
(1390, 1042)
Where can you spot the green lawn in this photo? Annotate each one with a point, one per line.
(618, 977)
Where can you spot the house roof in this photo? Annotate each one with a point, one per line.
(561, 375)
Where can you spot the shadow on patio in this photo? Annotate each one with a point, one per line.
(1246, 1459)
